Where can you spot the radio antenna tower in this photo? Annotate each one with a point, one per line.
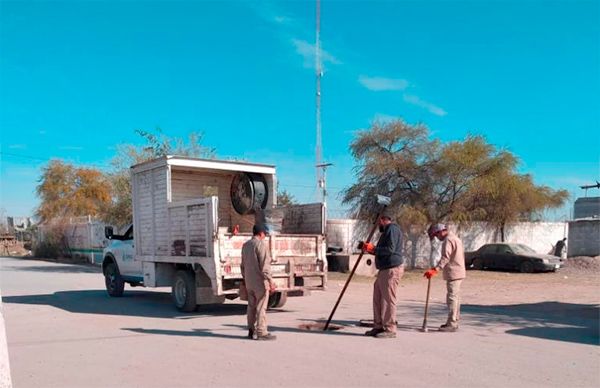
(319, 73)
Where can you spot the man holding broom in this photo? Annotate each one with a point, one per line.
(453, 265)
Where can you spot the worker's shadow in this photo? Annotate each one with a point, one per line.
(310, 327)
(237, 328)
(183, 333)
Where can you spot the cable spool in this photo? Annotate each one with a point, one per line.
(248, 192)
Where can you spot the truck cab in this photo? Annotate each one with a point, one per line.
(119, 266)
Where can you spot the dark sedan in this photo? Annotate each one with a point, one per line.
(518, 257)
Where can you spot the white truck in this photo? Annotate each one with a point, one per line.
(190, 220)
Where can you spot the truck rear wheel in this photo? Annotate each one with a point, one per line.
(277, 299)
(184, 291)
(113, 280)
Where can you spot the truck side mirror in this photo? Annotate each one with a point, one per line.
(108, 232)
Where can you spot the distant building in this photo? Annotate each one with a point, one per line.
(18, 223)
(587, 207)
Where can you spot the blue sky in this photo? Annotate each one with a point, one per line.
(78, 77)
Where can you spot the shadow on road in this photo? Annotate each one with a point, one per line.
(241, 328)
(133, 303)
(182, 333)
(558, 321)
(56, 268)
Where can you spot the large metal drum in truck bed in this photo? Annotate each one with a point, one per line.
(248, 192)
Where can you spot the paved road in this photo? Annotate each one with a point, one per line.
(64, 331)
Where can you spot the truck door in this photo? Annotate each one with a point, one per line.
(124, 254)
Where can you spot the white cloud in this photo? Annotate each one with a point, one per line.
(270, 12)
(378, 84)
(383, 118)
(416, 100)
(282, 19)
(307, 51)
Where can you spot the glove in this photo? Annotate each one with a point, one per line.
(430, 273)
(366, 247)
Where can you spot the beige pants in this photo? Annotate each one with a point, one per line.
(257, 311)
(385, 295)
(453, 301)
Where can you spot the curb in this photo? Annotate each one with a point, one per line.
(5, 380)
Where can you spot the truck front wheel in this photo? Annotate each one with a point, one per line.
(113, 280)
(184, 291)
(277, 300)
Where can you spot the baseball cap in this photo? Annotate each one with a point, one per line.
(387, 213)
(259, 228)
(435, 228)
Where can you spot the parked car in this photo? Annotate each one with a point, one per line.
(511, 257)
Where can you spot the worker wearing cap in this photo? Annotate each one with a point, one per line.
(256, 270)
(389, 262)
(452, 263)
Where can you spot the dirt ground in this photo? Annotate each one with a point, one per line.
(577, 281)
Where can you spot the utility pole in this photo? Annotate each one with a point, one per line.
(318, 74)
(586, 187)
(323, 167)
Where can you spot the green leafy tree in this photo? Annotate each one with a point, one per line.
(506, 198)
(429, 181)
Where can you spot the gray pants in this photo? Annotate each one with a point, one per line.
(453, 301)
(385, 296)
(257, 311)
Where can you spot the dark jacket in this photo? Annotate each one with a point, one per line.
(388, 252)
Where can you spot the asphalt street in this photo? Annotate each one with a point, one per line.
(63, 330)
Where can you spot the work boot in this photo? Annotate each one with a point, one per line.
(373, 332)
(448, 328)
(386, 334)
(251, 334)
(266, 337)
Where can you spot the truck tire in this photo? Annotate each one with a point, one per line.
(478, 264)
(184, 291)
(277, 300)
(113, 280)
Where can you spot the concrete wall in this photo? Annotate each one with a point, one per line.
(586, 207)
(85, 237)
(340, 233)
(420, 252)
(584, 238)
(541, 236)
